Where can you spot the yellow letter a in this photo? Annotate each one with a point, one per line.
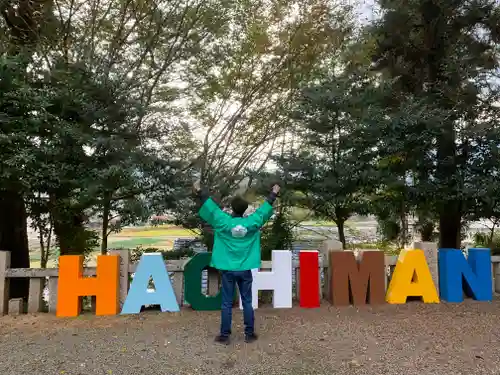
(411, 278)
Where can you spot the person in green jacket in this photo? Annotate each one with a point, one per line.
(235, 253)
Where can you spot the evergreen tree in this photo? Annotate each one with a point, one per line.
(440, 54)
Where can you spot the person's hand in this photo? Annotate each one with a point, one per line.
(276, 189)
(197, 186)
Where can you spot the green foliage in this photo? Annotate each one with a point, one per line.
(278, 235)
(78, 240)
(488, 240)
(387, 246)
(186, 252)
(299, 214)
(47, 141)
(134, 242)
(157, 221)
(244, 86)
(396, 119)
(328, 171)
(437, 116)
(389, 229)
(80, 132)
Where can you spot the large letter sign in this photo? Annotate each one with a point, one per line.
(458, 275)
(412, 277)
(152, 266)
(357, 282)
(309, 278)
(192, 284)
(279, 280)
(72, 285)
(350, 279)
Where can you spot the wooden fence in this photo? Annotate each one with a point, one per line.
(39, 279)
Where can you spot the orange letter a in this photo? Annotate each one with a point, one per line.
(72, 286)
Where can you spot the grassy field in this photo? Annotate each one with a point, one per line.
(161, 237)
(163, 230)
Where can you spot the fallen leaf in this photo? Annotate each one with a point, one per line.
(354, 363)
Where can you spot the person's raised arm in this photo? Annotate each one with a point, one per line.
(209, 210)
(265, 211)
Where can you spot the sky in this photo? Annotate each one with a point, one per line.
(365, 8)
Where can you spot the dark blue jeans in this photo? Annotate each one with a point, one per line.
(244, 281)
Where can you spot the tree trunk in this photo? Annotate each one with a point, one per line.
(435, 23)
(14, 238)
(450, 212)
(69, 227)
(492, 235)
(449, 228)
(105, 223)
(404, 223)
(23, 19)
(48, 245)
(340, 228)
(43, 261)
(450, 215)
(426, 231)
(69, 237)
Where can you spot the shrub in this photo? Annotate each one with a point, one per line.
(277, 236)
(483, 240)
(184, 252)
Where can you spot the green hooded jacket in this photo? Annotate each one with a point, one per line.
(236, 239)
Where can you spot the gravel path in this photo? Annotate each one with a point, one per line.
(391, 340)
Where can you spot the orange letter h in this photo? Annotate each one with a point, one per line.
(72, 285)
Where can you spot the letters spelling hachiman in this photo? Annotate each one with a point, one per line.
(357, 281)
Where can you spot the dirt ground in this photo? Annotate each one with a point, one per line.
(408, 339)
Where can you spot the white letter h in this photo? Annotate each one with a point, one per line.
(279, 280)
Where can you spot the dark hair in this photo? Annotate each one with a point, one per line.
(239, 206)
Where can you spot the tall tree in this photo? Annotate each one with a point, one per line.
(245, 86)
(326, 166)
(141, 48)
(108, 69)
(443, 53)
(22, 24)
(242, 92)
(484, 192)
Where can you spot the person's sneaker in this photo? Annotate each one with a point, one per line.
(250, 338)
(222, 339)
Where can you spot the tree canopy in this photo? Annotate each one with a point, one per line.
(110, 109)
